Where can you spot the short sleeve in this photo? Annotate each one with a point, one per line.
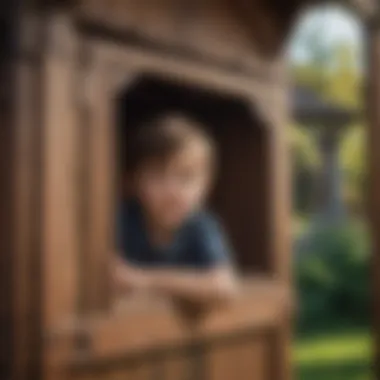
(212, 245)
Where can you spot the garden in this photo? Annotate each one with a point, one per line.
(331, 238)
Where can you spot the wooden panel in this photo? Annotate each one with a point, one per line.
(99, 195)
(148, 342)
(60, 218)
(152, 325)
(135, 368)
(281, 358)
(205, 76)
(136, 330)
(279, 173)
(60, 228)
(145, 371)
(240, 195)
(245, 356)
(233, 32)
(6, 247)
(177, 367)
(118, 374)
(139, 326)
(24, 222)
(111, 60)
(279, 226)
(244, 360)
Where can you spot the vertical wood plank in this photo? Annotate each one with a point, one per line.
(60, 232)
(280, 224)
(99, 193)
(279, 186)
(60, 229)
(20, 191)
(105, 79)
(280, 359)
(145, 370)
(120, 373)
(25, 210)
(245, 360)
(177, 367)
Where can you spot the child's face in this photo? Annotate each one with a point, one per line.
(170, 191)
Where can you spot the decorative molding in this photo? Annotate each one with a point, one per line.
(373, 23)
(116, 74)
(368, 11)
(29, 33)
(123, 79)
(60, 36)
(261, 68)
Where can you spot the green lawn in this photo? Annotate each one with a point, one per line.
(334, 356)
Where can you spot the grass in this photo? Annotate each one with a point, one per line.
(334, 356)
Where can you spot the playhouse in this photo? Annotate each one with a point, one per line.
(84, 75)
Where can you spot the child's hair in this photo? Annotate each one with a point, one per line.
(164, 136)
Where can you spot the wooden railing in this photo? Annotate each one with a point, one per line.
(146, 328)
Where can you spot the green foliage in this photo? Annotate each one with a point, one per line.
(306, 159)
(344, 83)
(342, 355)
(332, 72)
(353, 160)
(303, 147)
(333, 278)
(332, 273)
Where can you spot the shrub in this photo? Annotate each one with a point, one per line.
(332, 277)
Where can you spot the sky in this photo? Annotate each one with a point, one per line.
(335, 25)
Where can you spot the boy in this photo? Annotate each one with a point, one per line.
(167, 243)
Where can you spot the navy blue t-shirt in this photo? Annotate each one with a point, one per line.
(200, 243)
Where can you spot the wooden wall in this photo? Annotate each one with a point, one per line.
(229, 32)
(19, 110)
(60, 194)
(161, 342)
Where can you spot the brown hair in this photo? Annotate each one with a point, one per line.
(162, 137)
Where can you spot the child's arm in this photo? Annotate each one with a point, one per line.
(206, 287)
(212, 282)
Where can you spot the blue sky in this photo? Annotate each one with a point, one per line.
(335, 25)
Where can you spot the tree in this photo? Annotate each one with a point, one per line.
(332, 72)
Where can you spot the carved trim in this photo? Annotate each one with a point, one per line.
(117, 73)
(140, 61)
(262, 70)
(120, 67)
(374, 22)
(368, 11)
(123, 79)
(29, 33)
(119, 77)
(30, 40)
(60, 36)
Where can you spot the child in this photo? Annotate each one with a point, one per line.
(168, 244)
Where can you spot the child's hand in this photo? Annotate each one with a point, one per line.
(128, 278)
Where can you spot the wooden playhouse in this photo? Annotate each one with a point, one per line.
(75, 73)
